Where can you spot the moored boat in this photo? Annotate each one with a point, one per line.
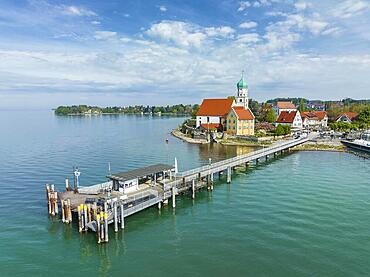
(362, 144)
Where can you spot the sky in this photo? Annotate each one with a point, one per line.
(166, 52)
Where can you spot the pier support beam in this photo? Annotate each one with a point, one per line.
(173, 197)
(193, 189)
(67, 184)
(228, 180)
(211, 181)
(122, 218)
(115, 217)
(267, 157)
(106, 221)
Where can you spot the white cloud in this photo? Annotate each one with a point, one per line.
(248, 25)
(104, 35)
(332, 31)
(300, 6)
(243, 5)
(77, 11)
(261, 3)
(351, 8)
(223, 31)
(163, 8)
(248, 38)
(95, 22)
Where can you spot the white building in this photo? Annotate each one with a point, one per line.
(283, 106)
(291, 118)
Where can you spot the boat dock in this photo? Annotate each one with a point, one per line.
(126, 193)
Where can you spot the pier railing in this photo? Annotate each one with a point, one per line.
(242, 158)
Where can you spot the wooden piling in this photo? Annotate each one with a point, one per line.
(173, 197)
(193, 189)
(69, 209)
(106, 221)
(98, 227)
(115, 217)
(228, 180)
(67, 184)
(123, 217)
(79, 218)
(85, 217)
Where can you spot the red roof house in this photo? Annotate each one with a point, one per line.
(215, 107)
(346, 117)
(243, 114)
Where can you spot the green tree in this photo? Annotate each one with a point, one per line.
(270, 115)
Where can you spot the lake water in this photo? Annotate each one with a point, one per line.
(306, 213)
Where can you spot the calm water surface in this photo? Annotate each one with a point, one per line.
(305, 214)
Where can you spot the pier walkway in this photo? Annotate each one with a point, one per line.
(97, 206)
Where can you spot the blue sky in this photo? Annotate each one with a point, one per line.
(166, 52)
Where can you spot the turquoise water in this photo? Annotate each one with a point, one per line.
(306, 213)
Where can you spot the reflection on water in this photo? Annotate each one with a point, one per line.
(218, 152)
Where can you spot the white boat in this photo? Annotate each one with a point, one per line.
(362, 144)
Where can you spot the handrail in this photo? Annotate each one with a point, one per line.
(264, 151)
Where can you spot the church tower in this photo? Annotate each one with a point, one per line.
(242, 93)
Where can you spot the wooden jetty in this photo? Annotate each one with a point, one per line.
(126, 193)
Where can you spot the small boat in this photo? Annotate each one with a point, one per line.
(362, 144)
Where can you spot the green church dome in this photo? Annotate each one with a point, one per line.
(242, 83)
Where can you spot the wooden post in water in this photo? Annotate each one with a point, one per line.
(173, 197)
(106, 221)
(211, 181)
(193, 189)
(56, 211)
(102, 227)
(267, 157)
(79, 218)
(123, 217)
(69, 210)
(63, 212)
(98, 227)
(67, 184)
(115, 217)
(85, 217)
(228, 180)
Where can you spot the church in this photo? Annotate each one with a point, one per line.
(230, 115)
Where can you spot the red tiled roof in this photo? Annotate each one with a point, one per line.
(215, 107)
(320, 115)
(285, 105)
(350, 115)
(286, 117)
(243, 114)
(211, 126)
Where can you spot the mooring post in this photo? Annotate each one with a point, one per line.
(173, 197)
(193, 189)
(115, 217)
(69, 210)
(159, 205)
(211, 181)
(98, 227)
(102, 228)
(62, 208)
(79, 218)
(85, 217)
(106, 220)
(267, 157)
(67, 184)
(56, 211)
(122, 218)
(228, 179)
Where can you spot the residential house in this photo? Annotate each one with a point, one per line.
(282, 106)
(314, 119)
(240, 121)
(347, 117)
(291, 118)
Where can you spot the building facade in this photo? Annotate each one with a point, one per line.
(215, 113)
(315, 119)
(240, 122)
(291, 118)
(284, 106)
(347, 117)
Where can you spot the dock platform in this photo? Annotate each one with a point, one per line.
(126, 193)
